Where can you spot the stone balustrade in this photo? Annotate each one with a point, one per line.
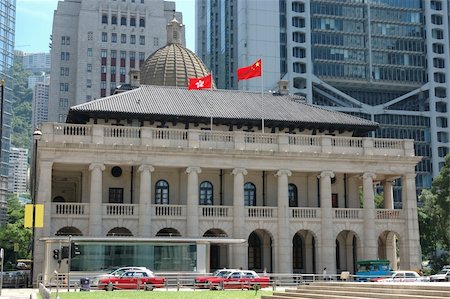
(71, 135)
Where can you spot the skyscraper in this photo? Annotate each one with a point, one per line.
(383, 60)
(96, 43)
(18, 170)
(7, 29)
(40, 105)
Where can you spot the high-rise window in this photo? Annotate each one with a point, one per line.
(104, 19)
(123, 38)
(141, 22)
(104, 37)
(123, 21)
(89, 52)
(133, 21)
(114, 20)
(142, 40)
(114, 37)
(132, 39)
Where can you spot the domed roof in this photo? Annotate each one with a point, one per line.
(173, 64)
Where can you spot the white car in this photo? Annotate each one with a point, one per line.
(441, 275)
(403, 276)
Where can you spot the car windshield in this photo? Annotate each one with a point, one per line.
(443, 272)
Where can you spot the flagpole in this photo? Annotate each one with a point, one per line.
(262, 97)
(210, 103)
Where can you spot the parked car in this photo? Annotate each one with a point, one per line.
(15, 279)
(402, 276)
(238, 279)
(442, 275)
(202, 282)
(119, 271)
(135, 279)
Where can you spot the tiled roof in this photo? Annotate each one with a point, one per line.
(150, 102)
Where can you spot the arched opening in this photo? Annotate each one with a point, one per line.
(389, 246)
(59, 199)
(218, 253)
(206, 195)
(119, 232)
(249, 194)
(260, 251)
(303, 252)
(168, 232)
(162, 192)
(347, 247)
(69, 231)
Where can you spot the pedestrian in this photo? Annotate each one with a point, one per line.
(324, 273)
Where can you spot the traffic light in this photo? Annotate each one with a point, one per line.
(75, 250)
(65, 252)
(56, 255)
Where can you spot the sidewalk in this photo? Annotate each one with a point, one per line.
(19, 293)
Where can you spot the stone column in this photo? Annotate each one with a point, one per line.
(284, 239)
(43, 196)
(388, 195)
(145, 200)
(240, 253)
(410, 253)
(370, 240)
(192, 201)
(95, 207)
(328, 252)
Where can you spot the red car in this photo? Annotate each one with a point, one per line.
(238, 279)
(202, 282)
(132, 280)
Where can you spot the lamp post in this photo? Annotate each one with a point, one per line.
(36, 137)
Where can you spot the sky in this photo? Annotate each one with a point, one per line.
(34, 19)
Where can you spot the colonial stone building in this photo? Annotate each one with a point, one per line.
(191, 181)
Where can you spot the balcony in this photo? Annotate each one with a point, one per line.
(98, 136)
(130, 211)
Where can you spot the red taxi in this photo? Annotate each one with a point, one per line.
(239, 279)
(202, 282)
(137, 279)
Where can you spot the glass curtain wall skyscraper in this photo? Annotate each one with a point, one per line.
(384, 60)
(7, 33)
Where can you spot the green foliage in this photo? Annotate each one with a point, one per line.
(434, 218)
(13, 232)
(21, 107)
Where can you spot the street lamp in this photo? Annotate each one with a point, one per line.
(37, 134)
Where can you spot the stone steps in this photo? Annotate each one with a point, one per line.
(332, 290)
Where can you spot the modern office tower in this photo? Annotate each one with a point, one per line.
(96, 43)
(40, 105)
(7, 29)
(36, 62)
(18, 170)
(384, 60)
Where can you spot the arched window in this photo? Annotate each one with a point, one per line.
(133, 21)
(114, 20)
(249, 194)
(123, 21)
(293, 195)
(104, 19)
(141, 22)
(206, 193)
(162, 192)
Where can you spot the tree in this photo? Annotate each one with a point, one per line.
(434, 218)
(13, 232)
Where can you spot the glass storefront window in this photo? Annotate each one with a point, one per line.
(97, 256)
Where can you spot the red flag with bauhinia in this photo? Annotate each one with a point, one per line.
(251, 71)
(200, 83)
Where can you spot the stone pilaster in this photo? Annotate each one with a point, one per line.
(95, 207)
(145, 200)
(328, 255)
(410, 247)
(283, 240)
(239, 250)
(192, 201)
(370, 240)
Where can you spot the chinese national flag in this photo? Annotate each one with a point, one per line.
(248, 72)
(200, 83)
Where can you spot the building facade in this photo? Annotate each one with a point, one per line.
(42, 78)
(384, 60)
(95, 44)
(36, 62)
(40, 105)
(140, 178)
(8, 21)
(18, 170)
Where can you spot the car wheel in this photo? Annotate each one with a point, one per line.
(256, 287)
(109, 287)
(148, 287)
